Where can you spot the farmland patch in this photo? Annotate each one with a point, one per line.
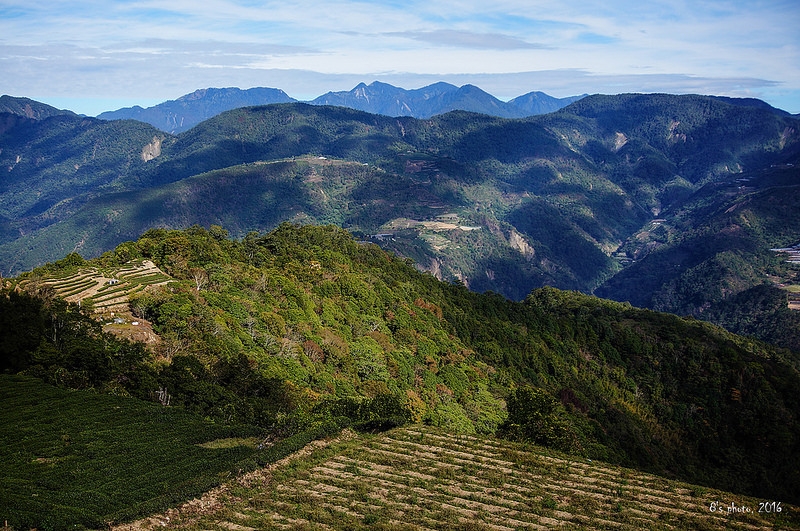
(107, 292)
(418, 478)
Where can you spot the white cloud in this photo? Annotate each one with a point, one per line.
(152, 49)
(468, 39)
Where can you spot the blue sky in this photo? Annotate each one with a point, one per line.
(96, 55)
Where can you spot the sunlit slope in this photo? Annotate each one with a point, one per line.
(419, 478)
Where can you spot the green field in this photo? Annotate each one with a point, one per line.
(71, 459)
(77, 459)
(421, 478)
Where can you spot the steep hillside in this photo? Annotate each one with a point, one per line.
(54, 165)
(712, 255)
(305, 325)
(29, 108)
(562, 199)
(658, 147)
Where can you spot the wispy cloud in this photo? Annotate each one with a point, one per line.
(149, 48)
(468, 39)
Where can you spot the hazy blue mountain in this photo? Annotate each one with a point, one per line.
(382, 98)
(537, 102)
(175, 116)
(439, 98)
(179, 115)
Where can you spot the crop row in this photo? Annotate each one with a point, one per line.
(110, 289)
(76, 289)
(139, 273)
(72, 458)
(416, 478)
(72, 281)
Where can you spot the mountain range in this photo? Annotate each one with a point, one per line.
(176, 116)
(669, 202)
(297, 269)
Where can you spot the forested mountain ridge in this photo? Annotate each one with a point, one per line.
(305, 323)
(563, 199)
(29, 108)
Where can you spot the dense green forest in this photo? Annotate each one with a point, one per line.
(604, 166)
(305, 325)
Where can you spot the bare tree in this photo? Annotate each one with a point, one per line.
(200, 278)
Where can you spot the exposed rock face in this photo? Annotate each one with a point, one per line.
(517, 241)
(151, 150)
(435, 268)
(619, 140)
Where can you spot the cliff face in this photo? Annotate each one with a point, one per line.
(152, 150)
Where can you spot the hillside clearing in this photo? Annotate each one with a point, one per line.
(107, 291)
(418, 478)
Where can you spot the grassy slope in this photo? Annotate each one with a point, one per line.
(77, 458)
(421, 478)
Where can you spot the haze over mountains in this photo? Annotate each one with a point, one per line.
(176, 116)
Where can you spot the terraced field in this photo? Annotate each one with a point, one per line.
(107, 290)
(418, 478)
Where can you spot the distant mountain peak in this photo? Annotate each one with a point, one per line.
(437, 98)
(377, 97)
(196, 95)
(178, 115)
